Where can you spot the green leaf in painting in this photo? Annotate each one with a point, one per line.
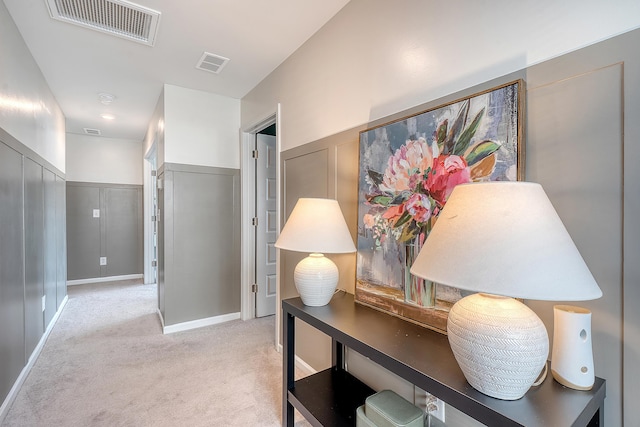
(462, 143)
(441, 133)
(404, 218)
(380, 199)
(401, 197)
(408, 234)
(457, 126)
(376, 177)
(482, 151)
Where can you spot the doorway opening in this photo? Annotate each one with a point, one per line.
(150, 217)
(260, 213)
(266, 204)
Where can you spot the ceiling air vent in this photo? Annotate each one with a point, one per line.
(212, 63)
(93, 132)
(116, 17)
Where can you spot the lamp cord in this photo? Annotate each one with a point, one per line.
(542, 377)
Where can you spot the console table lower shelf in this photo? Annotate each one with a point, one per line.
(329, 397)
(420, 356)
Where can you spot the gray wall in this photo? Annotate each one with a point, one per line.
(116, 234)
(199, 238)
(12, 351)
(32, 254)
(581, 145)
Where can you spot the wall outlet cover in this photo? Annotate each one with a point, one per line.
(430, 404)
(103, 260)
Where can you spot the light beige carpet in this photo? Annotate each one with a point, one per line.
(106, 363)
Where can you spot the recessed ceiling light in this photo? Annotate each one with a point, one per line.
(107, 116)
(106, 98)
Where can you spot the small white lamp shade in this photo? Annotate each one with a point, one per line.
(502, 238)
(316, 226)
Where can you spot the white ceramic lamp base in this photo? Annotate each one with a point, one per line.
(500, 344)
(316, 279)
(572, 354)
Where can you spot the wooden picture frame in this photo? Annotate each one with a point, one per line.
(407, 169)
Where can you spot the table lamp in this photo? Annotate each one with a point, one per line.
(316, 226)
(505, 241)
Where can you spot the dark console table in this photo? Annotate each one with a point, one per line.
(422, 357)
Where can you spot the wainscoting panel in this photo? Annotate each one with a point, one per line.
(123, 230)
(83, 232)
(49, 244)
(104, 221)
(32, 259)
(61, 241)
(575, 150)
(199, 262)
(34, 253)
(11, 272)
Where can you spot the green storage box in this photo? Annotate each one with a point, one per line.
(387, 409)
(361, 418)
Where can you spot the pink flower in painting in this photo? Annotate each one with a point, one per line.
(454, 163)
(447, 172)
(406, 166)
(419, 206)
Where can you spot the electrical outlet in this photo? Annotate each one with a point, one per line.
(431, 405)
(103, 260)
(44, 302)
(435, 407)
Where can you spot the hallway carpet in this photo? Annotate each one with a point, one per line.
(107, 363)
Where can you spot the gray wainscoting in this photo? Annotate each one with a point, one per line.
(32, 255)
(49, 245)
(12, 353)
(114, 232)
(199, 243)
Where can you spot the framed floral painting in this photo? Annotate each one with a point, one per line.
(407, 170)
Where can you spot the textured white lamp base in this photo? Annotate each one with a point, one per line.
(572, 355)
(316, 278)
(500, 344)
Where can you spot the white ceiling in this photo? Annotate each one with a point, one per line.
(79, 63)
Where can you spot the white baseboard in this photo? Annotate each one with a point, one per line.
(103, 279)
(301, 364)
(193, 324)
(32, 360)
(161, 318)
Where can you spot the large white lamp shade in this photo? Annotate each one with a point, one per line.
(316, 226)
(503, 240)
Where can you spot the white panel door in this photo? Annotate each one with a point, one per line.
(266, 229)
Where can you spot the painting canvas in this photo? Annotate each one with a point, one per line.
(407, 170)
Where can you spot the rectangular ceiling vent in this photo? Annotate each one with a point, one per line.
(212, 63)
(116, 17)
(93, 132)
